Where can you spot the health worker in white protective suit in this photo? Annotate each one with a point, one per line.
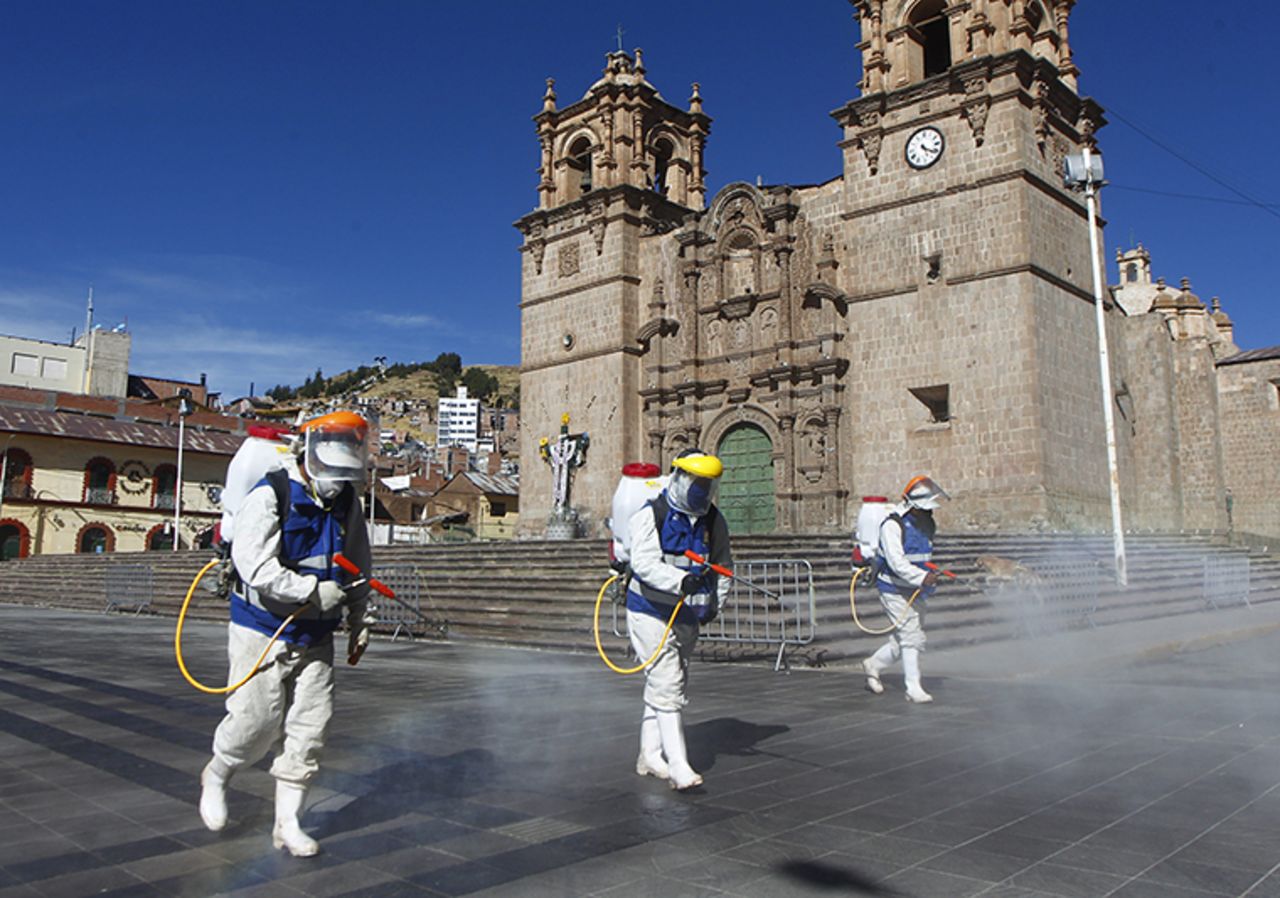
(682, 517)
(287, 531)
(906, 546)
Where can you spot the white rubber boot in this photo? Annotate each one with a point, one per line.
(213, 794)
(884, 656)
(680, 774)
(650, 761)
(911, 673)
(288, 831)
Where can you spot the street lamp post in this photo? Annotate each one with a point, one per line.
(185, 408)
(1084, 170)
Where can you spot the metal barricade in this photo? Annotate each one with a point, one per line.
(405, 582)
(128, 587)
(1052, 595)
(1226, 580)
(750, 617)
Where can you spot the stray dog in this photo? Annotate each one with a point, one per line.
(1006, 569)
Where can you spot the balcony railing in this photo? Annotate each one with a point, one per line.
(162, 500)
(18, 491)
(100, 497)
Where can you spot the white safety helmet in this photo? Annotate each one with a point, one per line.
(334, 450)
(694, 476)
(922, 493)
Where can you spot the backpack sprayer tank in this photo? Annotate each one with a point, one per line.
(264, 449)
(866, 536)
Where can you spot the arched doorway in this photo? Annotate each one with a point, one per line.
(14, 540)
(747, 497)
(95, 539)
(160, 538)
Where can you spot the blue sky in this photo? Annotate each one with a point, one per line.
(264, 188)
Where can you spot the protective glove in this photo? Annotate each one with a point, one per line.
(328, 595)
(359, 622)
(692, 584)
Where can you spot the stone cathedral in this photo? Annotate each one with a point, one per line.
(928, 309)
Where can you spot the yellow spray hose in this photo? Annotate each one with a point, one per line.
(177, 642)
(600, 648)
(853, 606)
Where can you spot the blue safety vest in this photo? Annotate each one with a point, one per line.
(917, 545)
(310, 536)
(676, 533)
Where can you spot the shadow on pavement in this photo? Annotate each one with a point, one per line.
(833, 878)
(407, 786)
(727, 736)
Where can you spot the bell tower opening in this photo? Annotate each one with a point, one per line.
(930, 22)
(662, 153)
(578, 162)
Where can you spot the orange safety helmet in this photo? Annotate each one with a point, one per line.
(339, 422)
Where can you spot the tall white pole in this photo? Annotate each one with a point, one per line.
(88, 333)
(1113, 469)
(177, 487)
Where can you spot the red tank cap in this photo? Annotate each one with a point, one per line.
(874, 499)
(641, 469)
(267, 431)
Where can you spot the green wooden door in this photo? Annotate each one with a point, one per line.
(746, 489)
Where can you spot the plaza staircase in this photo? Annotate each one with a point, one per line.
(540, 594)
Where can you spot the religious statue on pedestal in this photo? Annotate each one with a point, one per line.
(569, 451)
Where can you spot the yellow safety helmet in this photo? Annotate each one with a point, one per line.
(699, 464)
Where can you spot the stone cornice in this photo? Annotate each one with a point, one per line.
(1059, 193)
(581, 288)
(1029, 69)
(580, 357)
(658, 208)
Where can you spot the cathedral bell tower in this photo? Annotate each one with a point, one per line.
(618, 166)
(976, 258)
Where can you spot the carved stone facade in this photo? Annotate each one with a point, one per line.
(908, 316)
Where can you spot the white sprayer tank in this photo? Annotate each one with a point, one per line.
(866, 536)
(262, 451)
(640, 482)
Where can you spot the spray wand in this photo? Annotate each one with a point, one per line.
(376, 585)
(725, 572)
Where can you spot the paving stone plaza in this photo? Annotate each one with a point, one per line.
(465, 770)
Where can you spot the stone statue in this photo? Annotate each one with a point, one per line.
(569, 451)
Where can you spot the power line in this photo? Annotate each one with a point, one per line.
(1192, 196)
(1204, 171)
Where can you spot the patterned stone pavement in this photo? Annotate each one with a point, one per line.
(460, 770)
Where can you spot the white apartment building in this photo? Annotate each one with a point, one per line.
(459, 421)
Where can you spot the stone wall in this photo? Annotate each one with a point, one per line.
(1249, 402)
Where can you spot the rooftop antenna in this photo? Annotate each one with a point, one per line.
(620, 33)
(88, 337)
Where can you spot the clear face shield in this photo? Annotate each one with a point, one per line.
(333, 458)
(690, 494)
(923, 493)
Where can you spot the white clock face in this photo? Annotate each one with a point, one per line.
(924, 147)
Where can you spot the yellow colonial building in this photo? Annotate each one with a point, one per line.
(92, 474)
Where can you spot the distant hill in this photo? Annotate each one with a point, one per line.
(417, 383)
